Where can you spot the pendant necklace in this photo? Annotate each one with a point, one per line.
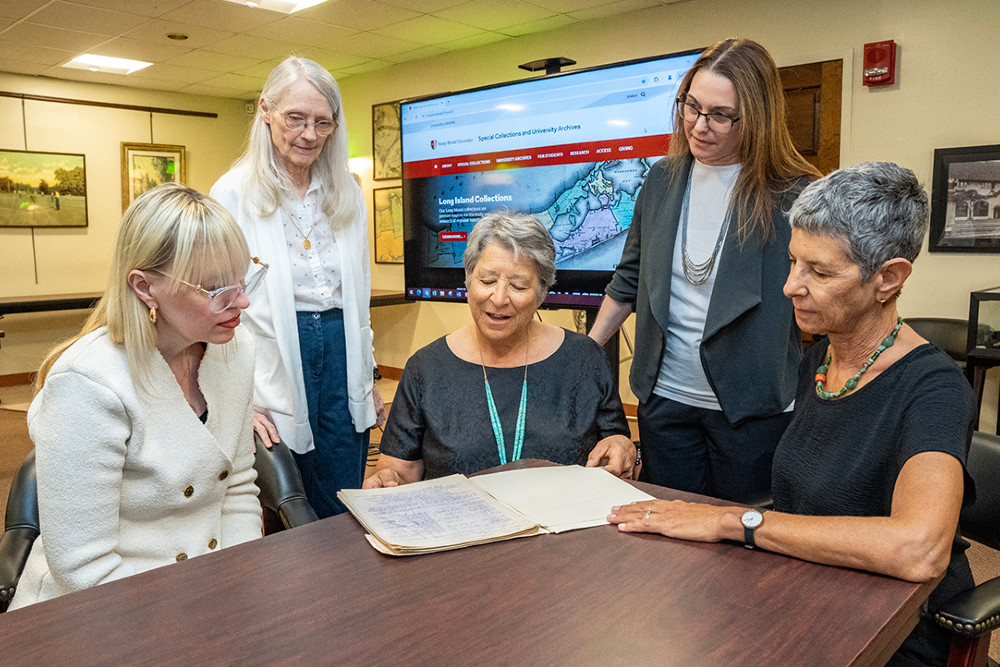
(521, 408)
(852, 382)
(305, 235)
(698, 273)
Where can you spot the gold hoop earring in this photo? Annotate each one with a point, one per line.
(152, 315)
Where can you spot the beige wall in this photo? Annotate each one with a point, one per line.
(943, 96)
(76, 260)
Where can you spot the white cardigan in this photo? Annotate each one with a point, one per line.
(130, 479)
(279, 388)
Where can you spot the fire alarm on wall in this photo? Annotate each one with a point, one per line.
(879, 64)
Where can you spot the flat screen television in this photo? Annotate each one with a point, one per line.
(572, 149)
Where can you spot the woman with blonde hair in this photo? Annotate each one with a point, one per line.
(142, 422)
(717, 348)
(293, 195)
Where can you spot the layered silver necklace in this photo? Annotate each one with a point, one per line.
(695, 272)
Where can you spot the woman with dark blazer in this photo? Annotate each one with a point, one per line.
(717, 349)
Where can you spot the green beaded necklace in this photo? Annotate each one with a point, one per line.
(853, 382)
(521, 409)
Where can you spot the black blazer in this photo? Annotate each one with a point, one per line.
(752, 347)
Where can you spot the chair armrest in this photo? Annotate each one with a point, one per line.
(15, 545)
(973, 612)
(280, 485)
(296, 512)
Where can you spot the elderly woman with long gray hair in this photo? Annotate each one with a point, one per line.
(871, 471)
(294, 197)
(506, 386)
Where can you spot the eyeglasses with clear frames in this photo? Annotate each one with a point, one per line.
(297, 122)
(220, 300)
(718, 122)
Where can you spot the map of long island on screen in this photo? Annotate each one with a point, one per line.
(587, 208)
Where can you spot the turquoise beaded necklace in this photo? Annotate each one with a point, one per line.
(522, 410)
(851, 383)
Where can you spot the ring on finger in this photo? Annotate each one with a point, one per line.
(648, 512)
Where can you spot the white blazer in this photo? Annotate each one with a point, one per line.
(129, 479)
(279, 388)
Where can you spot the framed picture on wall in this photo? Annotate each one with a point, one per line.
(388, 207)
(42, 189)
(144, 166)
(386, 153)
(965, 200)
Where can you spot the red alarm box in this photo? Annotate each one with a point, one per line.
(879, 64)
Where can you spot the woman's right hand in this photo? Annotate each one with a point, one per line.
(382, 479)
(264, 427)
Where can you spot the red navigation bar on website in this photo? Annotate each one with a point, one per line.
(616, 149)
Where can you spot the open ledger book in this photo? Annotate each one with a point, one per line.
(458, 511)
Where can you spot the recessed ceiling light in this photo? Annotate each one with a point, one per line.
(282, 6)
(106, 64)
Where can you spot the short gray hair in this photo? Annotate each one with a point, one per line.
(878, 209)
(520, 233)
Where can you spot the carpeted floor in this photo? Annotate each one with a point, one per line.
(15, 444)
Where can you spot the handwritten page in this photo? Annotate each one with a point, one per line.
(560, 498)
(437, 514)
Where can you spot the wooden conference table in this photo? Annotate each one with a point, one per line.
(320, 594)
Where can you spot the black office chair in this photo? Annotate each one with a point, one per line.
(950, 334)
(20, 528)
(281, 492)
(973, 614)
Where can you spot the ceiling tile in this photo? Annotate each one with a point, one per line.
(474, 40)
(5, 23)
(218, 91)
(415, 54)
(18, 9)
(252, 47)
(40, 35)
(235, 82)
(157, 31)
(357, 14)
(216, 14)
(41, 55)
(83, 75)
(494, 14)
(151, 8)
(551, 23)
(23, 67)
(372, 46)
(569, 6)
(611, 9)
(90, 19)
(135, 81)
(217, 62)
(370, 66)
(427, 30)
(298, 31)
(333, 59)
(425, 6)
(152, 52)
(183, 75)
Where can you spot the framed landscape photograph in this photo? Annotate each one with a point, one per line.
(42, 189)
(386, 153)
(144, 166)
(388, 208)
(965, 200)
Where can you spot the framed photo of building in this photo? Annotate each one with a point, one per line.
(387, 155)
(144, 166)
(965, 200)
(42, 189)
(387, 204)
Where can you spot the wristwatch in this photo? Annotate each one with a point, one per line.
(751, 520)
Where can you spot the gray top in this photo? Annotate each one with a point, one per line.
(440, 414)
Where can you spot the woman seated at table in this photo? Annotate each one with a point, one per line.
(506, 386)
(870, 473)
(142, 423)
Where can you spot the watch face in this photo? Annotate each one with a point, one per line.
(752, 518)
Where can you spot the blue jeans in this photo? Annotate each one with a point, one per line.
(338, 461)
(697, 450)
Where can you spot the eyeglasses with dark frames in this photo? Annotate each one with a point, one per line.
(719, 122)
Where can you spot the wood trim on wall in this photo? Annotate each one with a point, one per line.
(16, 379)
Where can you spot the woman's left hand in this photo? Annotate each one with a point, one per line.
(379, 407)
(616, 454)
(673, 518)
